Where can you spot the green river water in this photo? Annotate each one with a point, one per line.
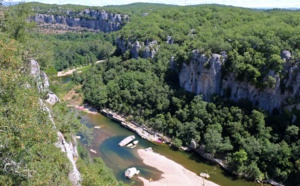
(119, 159)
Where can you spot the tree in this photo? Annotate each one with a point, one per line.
(15, 22)
(213, 140)
(177, 143)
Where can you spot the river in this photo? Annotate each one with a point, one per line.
(119, 159)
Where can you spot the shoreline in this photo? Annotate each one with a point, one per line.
(140, 130)
(85, 108)
(173, 173)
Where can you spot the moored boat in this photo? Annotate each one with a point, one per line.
(126, 140)
(93, 151)
(129, 173)
(130, 145)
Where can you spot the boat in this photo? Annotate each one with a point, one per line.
(93, 151)
(126, 140)
(204, 175)
(97, 127)
(132, 144)
(130, 172)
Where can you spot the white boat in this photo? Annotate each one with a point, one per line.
(97, 127)
(93, 151)
(130, 145)
(129, 173)
(135, 142)
(204, 175)
(126, 140)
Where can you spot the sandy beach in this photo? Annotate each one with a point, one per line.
(85, 108)
(174, 174)
(65, 73)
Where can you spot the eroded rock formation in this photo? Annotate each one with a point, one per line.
(70, 148)
(146, 49)
(203, 75)
(93, 20)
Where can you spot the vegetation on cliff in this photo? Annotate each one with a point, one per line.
(28, 151)
(255, 144)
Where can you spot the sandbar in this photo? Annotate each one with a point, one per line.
(174, 174)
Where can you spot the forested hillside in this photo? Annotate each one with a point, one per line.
(255, 143)
(258, 48)
(34, 136)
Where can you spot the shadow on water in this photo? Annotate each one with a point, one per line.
(117, 158)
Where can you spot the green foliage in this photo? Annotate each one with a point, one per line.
(177, 143)
(256, 145)
(15, 22)
(28, 155)
(139, 88)
(67, 121)
(68, 50)
(94, 171)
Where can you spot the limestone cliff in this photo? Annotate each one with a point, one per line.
(203, 75)
(42, 82)
(70, 148)
(93, 20)
(136, 49)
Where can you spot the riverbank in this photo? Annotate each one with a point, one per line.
(140, 130)
(173, 173)
(86, 108)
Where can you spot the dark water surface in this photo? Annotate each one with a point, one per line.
(117, 158)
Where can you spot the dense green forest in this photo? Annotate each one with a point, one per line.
(28, 155)
(255, 144)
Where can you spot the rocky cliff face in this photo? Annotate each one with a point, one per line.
(146, 49)
(70, 148)
(202, 75)
(42, 82)
(87, 19)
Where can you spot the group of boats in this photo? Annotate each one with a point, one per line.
(129, 142)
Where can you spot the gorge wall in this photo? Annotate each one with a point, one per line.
(203, 75)
(92, 20)
(136, 49)
(69, 148)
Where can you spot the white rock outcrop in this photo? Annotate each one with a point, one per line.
(71, 151)
(137, 49)
(203, 75)
(52, 98)
(87, 19)
(69, 148)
